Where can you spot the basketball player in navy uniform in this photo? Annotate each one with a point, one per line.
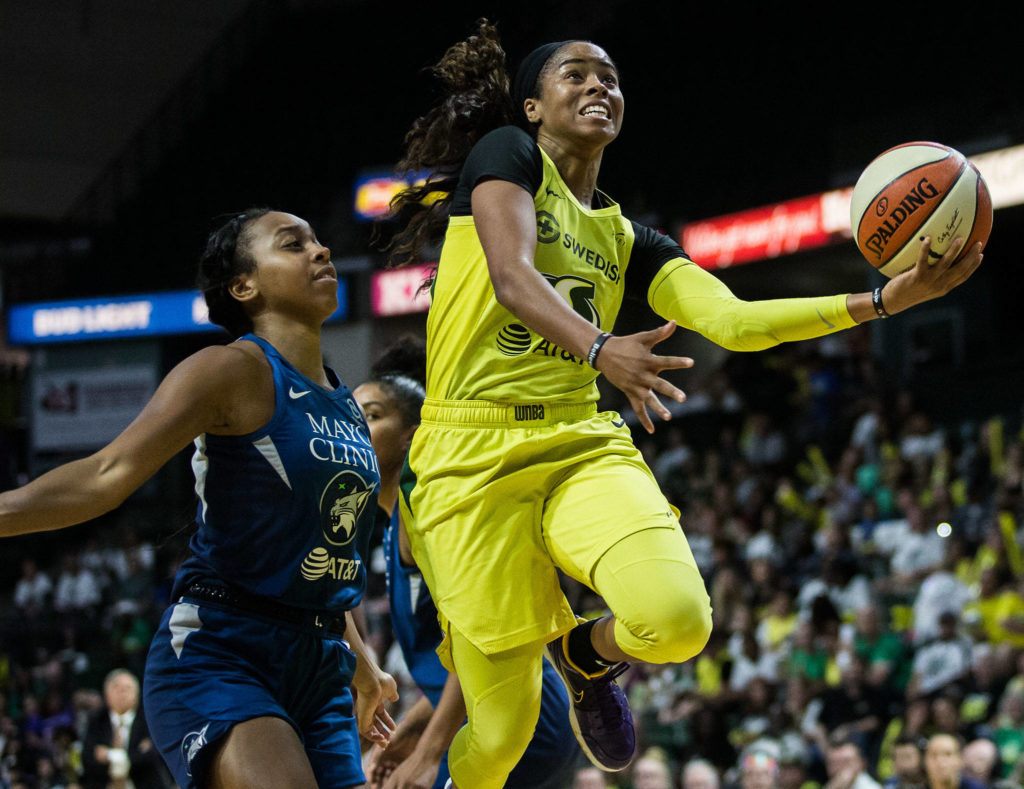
(418, 753)
(248, 678)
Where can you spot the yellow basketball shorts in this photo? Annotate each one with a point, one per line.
(504, 494)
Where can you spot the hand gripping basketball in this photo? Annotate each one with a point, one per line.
(928, 280)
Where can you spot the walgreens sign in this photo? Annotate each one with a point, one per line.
(770, 231)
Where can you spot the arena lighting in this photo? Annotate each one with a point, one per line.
(817, 220)
(142, 315)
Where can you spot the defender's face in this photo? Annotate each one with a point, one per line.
(293, 270)
(389, 434)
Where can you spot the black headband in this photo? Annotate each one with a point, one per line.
(529, 70)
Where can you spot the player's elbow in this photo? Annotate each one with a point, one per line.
(734, 334)
(510, 287)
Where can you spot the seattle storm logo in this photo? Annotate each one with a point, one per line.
(578, 293)
(341, 504)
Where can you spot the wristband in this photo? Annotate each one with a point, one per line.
(595, 349)
(876, 302)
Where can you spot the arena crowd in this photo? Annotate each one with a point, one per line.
(863, 556)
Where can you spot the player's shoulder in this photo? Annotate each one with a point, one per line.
(504, 144)
(507, 136)
(241, 363)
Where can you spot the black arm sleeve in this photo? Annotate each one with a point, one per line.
(651, 251)
(508, 154)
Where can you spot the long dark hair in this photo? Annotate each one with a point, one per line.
(476, 100)
(226, 256)
(401, 372)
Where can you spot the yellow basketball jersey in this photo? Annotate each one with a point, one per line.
(478, 350)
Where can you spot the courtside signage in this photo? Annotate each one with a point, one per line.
(814, 221)
(143, 315)
(374, 190)
(400, 291)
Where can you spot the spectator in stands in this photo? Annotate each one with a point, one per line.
(984, 687)
(794, 764)
(920, 440)
(998, 610)
(1007, 729)
(943, 764)
(699, 774)
(852, 711)
(907, 764)
(846, 767)
(752, 662)
(762, 442)
(884, 654)
(33, 591)
(651, 771)
(590, 778)
(78, 591)
(778, 622)
(941, 591)
(945, 713)
(920, 552)
(981, 761)
(117, 751)
(942, 663)
(759, 770)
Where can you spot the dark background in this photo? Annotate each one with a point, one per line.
(728, 106)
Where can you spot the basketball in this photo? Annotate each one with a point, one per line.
(915, 190)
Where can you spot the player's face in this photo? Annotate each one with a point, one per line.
(580, 98)
(294, 273)
(389, 434)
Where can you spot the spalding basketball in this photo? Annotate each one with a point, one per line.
(915, 190)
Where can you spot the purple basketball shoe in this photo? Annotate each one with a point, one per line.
(599, 712)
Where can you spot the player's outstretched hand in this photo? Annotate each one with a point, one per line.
(927, 280)
(382, 762)
(628, 363)
(416, 772)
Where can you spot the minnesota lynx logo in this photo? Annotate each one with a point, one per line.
(341, 504)
(191, 744)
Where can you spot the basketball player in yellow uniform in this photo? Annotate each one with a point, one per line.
(517, 475)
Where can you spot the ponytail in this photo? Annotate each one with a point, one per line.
(226, 256)
(476, 101)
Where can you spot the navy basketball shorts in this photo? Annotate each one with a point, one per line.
(211, 667)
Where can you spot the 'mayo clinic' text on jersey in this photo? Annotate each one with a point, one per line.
(286, 512)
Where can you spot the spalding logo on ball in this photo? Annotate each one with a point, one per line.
(915, 190)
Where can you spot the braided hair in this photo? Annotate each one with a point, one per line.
(226, 256)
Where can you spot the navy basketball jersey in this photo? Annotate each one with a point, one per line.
(413, 619)
(287, 511)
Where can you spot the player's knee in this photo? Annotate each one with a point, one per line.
(675, 628)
